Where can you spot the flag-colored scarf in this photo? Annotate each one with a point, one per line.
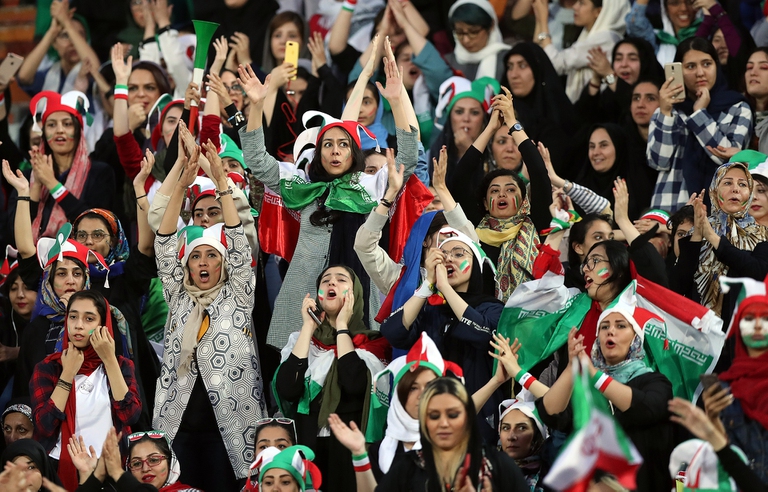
(345, 194)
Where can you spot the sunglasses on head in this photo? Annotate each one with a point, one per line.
(155, 434)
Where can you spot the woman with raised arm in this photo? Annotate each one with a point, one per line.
(209, 290)
(328, 226)
(638, 395)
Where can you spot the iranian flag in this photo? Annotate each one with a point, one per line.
(597, 443)
(688, 342)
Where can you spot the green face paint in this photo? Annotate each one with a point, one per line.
(320, 295)
(517, 203)
(603, 273)
(490, 204)
(755, 344)
(464, 267)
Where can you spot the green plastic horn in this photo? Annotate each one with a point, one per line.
(204, 34)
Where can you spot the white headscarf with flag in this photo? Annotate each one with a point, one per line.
(598, 442)
(704, 472)
(387, 407)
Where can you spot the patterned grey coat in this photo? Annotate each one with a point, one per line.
(226, 355)
(311, 255)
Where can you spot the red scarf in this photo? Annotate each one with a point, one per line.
(589, 326)
(67, 470)
(75, 182)
(748, 382)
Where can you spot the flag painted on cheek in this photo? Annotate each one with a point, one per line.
(603, 273)
(464, 267)
(517, 202)
(320, 295)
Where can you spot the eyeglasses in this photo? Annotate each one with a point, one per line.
(456, 253)
(233, 88)
(155, 434)
(152, 461)
(279, 420)
(97, 236)
(468, 34)
(591, 263)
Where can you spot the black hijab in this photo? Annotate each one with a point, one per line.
(34, 451)
(547, 102)
(650, 69)
(602, 182)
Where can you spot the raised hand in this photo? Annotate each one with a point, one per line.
(367, 71)
(504, 103)
(136, 115)
(345, 314)
(103, 343)
(254, 89)
(191, 94)
(668, 94)
(42, 169)
(218, 175)
(308, 321)
(191, 149)
(348, 435)
(696, 421)
(147, 163)
(221, 47)
(281, 74)
(575, 344)
(85, 460)
(439, 167)
(161, 11)
(598, 62)
(621, 200)
(317, 50)
(121, 66)
(395, 176)
(434, 258)
(241, 44)
(507, 354)
(110, 453)
(217, 86)
(72, 359)
(716, 399)
(394, 88)
(19, 182)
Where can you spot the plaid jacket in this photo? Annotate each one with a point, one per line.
(48, 419)
(667, 136)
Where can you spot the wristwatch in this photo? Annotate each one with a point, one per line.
(609, 79)
(542, 36)
(517, 127)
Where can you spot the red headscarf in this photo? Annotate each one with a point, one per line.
(67, 471)
(747, 374)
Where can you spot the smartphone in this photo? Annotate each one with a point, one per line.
(9, 67)
(708, 380)
(292, 55)
(315, 315)
(675, 70)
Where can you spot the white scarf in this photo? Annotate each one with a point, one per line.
(53, 78)
(606, 31)
(401, 427)
(487, 57)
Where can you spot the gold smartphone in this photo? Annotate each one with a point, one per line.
(292, 55)
(9, 67)
(675, 70)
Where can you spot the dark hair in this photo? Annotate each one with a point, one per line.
(453, 387)
(482, 190)
(696, 43)
(323, 216)
(78, 133)
(161, 443)
(751, 100)
(287, 428)
(579, 234)
(404, 385)
(641, 80)
(618, 258)
(649, 64)
(25, 144)
(678, 218)
(5, 289)
(536, 441)
(351, 273)
(368, 85)
(471, 14)
(77, 263)
(94, 296)
(400, 48)
(369, 152)
(160, 75)
(280, 20)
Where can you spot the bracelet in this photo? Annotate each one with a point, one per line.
(349, 5)
(64, 385)
(602, 381)
(425, 290)
(361, 463)
(226, 192)
(24, 199)
(566, 187)
(163, 30)
(594, 86)
(58, 191)
(525, 379)
(386, 202)
(543, 35)
(121, 91)
(344, 332)
(140, 197)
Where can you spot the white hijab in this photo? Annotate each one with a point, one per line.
(610, 25)
(487, 57)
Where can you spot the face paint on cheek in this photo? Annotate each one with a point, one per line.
(320, 295)
(490, 204)
(464, 267)
(517, 202)
(603, 273)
